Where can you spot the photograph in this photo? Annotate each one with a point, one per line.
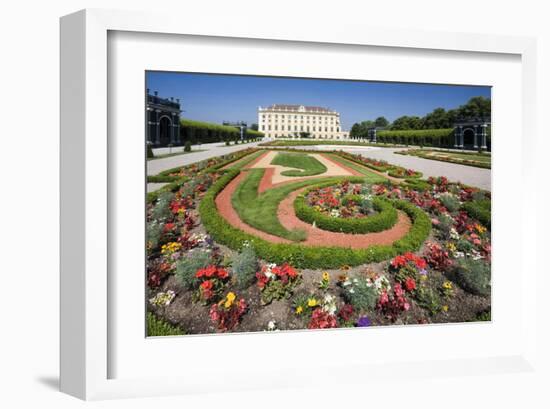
(282, 203)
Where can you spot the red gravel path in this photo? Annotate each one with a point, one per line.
(267, 179)
(316, 237)
(226, 210)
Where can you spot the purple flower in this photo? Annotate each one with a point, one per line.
(364, 321)
(423, 272)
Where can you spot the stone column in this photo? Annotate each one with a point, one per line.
(178, 135)
(172, 130)
(476, 135)
(457, 137)
(374, 135)
(461, 139)
(484, 137)
(157, 127)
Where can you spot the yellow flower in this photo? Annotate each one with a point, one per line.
(171, 247)
(230, 298)
(447, 285)
(445, 308)
(312, 302)
(299, 309)
(326, 276)
(345, 267)
(451, 247)
(480, 228)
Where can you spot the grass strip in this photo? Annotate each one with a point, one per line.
(309, 165)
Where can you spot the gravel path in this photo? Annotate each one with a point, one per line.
(208, 150)
(458, 173)
(315, 236)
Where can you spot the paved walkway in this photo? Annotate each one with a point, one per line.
(208, 150)
(468, 175)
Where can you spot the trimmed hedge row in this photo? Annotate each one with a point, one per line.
(206, 132)
(480, 210)
(385, 219)
(302, 256)
(428, 137)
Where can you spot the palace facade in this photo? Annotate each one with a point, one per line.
(287, 121)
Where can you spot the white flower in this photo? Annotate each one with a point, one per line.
(271, 326)
(163, 298)
(454, 234)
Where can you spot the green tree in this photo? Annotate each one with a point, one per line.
(476, 107)
(254, 127)
(355, 131)
(381, 122)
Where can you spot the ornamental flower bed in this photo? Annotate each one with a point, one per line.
(227, 313)
(345, 200)
(276, 282)
(200, 285)
(212, 282)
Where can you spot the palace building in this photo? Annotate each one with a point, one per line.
(286, 121)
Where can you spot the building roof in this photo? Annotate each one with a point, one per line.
(285, 107)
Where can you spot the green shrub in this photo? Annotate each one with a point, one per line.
(480, 210)
(450, 201)
(187, 147)
(361, 294)
(154, 233)
(301, 256)
(417, 184)
(157, 327)
(385, 219)
(161, 210)
(188, 265)
(473, 276)
(244, 266)
(429, 299)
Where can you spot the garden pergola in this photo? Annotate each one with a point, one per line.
(471, 132)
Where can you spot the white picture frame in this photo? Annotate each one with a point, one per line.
(86, 154)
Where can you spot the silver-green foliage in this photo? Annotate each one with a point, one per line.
(187, 266)
(162, 207)
(473, 275)
(244, 266)
(450, 201)
(361, 294)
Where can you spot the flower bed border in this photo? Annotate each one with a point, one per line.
(385, 219)
(303, 256)
(465, 162)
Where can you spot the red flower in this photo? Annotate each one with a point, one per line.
(321, 319)
(207, 285)
(345, 312)
(410, 284)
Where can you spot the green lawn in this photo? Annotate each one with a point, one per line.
(370, 176)
(308, 164)
(239, 164)
(466, 156)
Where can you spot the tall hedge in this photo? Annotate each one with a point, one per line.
(206, 132)
(425, 137)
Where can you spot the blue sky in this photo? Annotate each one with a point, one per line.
(217, 98)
